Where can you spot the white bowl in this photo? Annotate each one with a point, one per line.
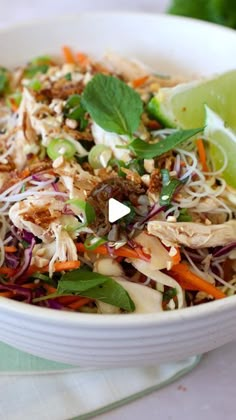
(169, 44)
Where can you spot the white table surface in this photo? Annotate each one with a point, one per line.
(208, 392)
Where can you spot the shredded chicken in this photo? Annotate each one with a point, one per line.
(193, 235)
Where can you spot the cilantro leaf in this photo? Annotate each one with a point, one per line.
(112, 104)
(95, 286)
(147, 151)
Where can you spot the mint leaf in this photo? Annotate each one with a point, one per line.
(147, 151)
(95, 286)
(112, 104)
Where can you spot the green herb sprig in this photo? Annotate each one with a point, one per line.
(146, 150)
(112, 104)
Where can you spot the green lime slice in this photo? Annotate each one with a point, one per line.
(224, 141)
(183, 105)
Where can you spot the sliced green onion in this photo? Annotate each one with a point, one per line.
(165, 174)
(87, 209)
(61, 147)
(92, 243)
(43, 59)
(99, 156)
(43, 277)
(184, 216)
(75, 111)
(168, 191)
(35, 84)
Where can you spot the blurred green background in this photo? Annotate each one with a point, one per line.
(222, 12)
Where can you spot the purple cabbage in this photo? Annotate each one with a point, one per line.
(224, 250)
(154, 210)
(27, 261)
(22, 291)
(12, 260)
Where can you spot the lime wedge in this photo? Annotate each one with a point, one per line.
(183, 105)
(225, 139)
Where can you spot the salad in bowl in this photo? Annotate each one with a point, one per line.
(76, 133)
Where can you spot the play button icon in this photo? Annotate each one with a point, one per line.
(116, 210)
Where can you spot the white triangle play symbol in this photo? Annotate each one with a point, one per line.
(116, 210)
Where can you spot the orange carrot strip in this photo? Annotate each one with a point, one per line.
(81, 302)
(49, 288)
(202, 154)
(7, 294)
(139, 82)
(30, 285)
(66, 265)
(7, 271)
(177, 257)
(68, 54)
(187, 275)
(24, 174)
(124, 251)
(10, 248)
(67, 300)
(14, 106)
(58, 266)
(82, 59)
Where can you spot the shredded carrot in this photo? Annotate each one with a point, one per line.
(30, 285)
(183, 273)
(82, 59)
(14, 106)
(153, 125)
(177, 257)
(58, 266)
(182, 164)
(66, 265)
(24, 174)
(67, 300)
(49, 288)
(7, 271)
(68, 54)
(139, 82)
(6, 294)
(10, 249)
(202, 154)
(124, 251)
(79, 303)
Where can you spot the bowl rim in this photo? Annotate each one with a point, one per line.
(52, 316)
(126, 320)
(114, 13)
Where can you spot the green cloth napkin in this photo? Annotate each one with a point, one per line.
(46, 389)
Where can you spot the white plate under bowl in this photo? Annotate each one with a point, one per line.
(170, 45)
